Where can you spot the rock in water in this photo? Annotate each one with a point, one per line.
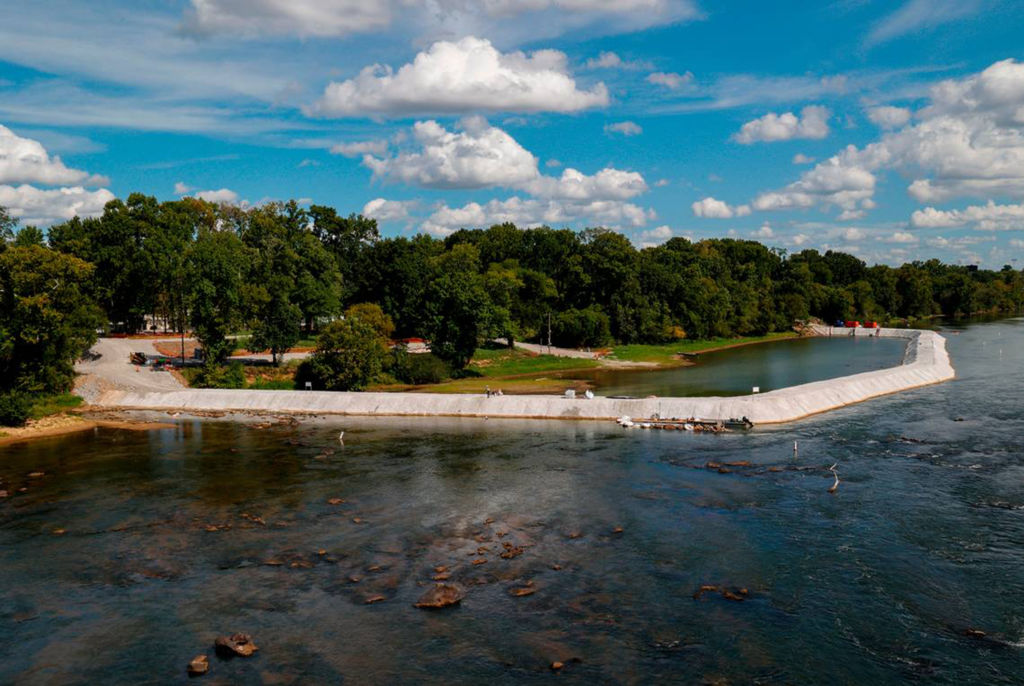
(200, 665)
(235, 644)
(441, 595)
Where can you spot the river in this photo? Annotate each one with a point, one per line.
(134, 550)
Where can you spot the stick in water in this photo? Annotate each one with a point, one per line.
(833, 487)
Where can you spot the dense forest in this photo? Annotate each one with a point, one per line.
(284, 272)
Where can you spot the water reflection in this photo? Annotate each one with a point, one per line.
(175, 536)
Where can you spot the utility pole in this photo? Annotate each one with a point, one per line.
(549, 332)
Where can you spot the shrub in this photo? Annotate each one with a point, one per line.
(418, 369)
(589, 327)
(349, 355)
(15, 407)
(218, 376)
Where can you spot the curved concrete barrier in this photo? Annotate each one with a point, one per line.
(925, 362)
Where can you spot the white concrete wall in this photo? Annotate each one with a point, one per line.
(925, 362)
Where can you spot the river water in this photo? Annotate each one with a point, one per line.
(172, 537)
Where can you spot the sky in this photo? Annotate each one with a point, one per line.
(893, 130)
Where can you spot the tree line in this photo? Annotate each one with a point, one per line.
(284, 272)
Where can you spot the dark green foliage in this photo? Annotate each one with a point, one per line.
(349, 356)
(15, 408)
(46, 319)
(212, 375)
(586, 328)
(458, 310)
(417, 369)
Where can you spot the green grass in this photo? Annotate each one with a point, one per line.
(666, 352)
(53, 404)
(272, 385)
(499, 362)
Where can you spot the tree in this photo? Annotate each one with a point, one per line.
(214, 265)
(46, 319)
(30, 235)
(456, 306)
(7, 226)
(349, 355)
(370, 313)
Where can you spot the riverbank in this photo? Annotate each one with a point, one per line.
(63, 424)
(925, 362)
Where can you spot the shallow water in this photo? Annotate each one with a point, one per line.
(768, 366)
(875, 584)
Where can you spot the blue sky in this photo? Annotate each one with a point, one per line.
(893, 130)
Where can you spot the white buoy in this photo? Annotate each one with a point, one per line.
(796, 449)
(341, 437)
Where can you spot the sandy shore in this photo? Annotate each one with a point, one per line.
(62, 424)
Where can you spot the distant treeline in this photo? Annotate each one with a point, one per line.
(279, 269)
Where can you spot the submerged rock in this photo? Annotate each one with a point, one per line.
(200, 665)
(441, 595)
(239, 644)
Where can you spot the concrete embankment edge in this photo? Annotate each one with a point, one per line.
(925, 362)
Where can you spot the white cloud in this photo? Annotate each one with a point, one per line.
(319, 18)
(1017, 243)
(671, 80)
(799, 239)
(478, 156)
(812, 123)
(626, 128)
(182, 188)
(901, 237)
(611, 60)
(988, 217)
(534, 212)
(710, 208)
(33, 205)
(918, 15)
(219, 196)
(483, 156)
(764, 232)
(357, 148)
(468, 75)
(661, 183)
(889, 117)
(23, 160)
(388, 210)
(552, 163)
(853, 235)
(801, 158)
(332, 18)
(656, 236)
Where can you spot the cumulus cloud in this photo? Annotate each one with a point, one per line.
(900, 237)
(33, 205)
(467, 75)
(968, 141)
(710, 208)
(531, 212)
(987, 217)
(358, 148)
(182, 188)
(626, 128)
(221, 196)
(478, 155)
(23, 160)
(388, 210)
(655, 237)
(812, 123)
(671, 80)
(765, 231)
(889, 117)
(801, 158)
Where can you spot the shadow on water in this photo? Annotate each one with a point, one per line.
(594, 543)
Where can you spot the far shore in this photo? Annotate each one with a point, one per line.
(64, 423)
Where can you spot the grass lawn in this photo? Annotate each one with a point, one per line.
(666, 353)
(492, 362)
(46, 405)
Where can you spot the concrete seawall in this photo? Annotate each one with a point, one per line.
(925, 362)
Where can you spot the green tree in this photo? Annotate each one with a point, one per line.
(458, 310)
(30, 235)
(46, 319)
(214, 265)
(372, 314)
(349, 355)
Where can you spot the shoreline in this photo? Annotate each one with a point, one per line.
(63, 424)
(925, 362)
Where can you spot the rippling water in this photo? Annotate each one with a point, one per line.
(875, 584)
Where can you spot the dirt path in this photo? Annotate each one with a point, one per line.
(107, 368)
